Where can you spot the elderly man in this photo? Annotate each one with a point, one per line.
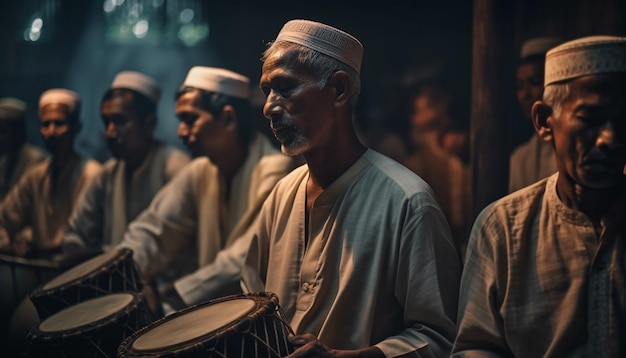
(534, 159)
(139, 168)
(545, 272)
(45, 195)
(207, 206)
(353, 243)
(16, 155)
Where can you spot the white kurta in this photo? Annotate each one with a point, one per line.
(12, 170)
(531, 162)
(44, 202)
(539, 281)
(190, 221)
(380, 267)
(101, 218)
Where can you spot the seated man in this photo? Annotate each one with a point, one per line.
(139, 168)
(353, 243)
(216, 197)
(545, 271)
(16, 155)
(46, 194)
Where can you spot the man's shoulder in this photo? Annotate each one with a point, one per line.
(391, 172)
(515, 208)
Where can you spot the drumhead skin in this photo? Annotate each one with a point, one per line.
(194, 324)
(86, 313)
(81, 270)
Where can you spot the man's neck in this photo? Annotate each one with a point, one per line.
(137, 159)
(594, 203)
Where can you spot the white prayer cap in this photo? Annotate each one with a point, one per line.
(325, 39)
(139, 82)
(12, 108)
(538, 45)
(585, 56)
(59, 95)
(218, 80)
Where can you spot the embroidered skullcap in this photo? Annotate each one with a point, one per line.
(218, 80)
(585, 56)
(139, 82)
(538, 46)
(12, 108)
(60, 95)
(325, 39)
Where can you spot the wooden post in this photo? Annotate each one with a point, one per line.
(493, 63)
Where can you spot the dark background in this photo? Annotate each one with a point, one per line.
(404, 41)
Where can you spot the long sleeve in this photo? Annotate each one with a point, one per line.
(163, 232)
(220, 278)
(16, 210)
(480, 326)
(428, 275)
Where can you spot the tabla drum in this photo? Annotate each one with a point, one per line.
(245, 325)
(111, 272)
(18, 278)
(92, 328)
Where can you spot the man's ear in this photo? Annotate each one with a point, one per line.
(542, 120)
(341, 85)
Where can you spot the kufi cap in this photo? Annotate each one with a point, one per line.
(12, 108)
(218, 80)
(325, 39)
(585, 56)
(538, 46)
(139, 82)
(59, 95)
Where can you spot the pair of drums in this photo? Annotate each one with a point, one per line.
(89, 309)
(111, 272)
(245, 325)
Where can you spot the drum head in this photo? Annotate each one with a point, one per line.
(86, 313)
(194, 324)
(81, 270)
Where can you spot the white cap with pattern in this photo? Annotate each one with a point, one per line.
(139, 82)
(218, 80)
(585, 56)
(325, 39)
(59, 95)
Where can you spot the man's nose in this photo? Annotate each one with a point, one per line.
(607, 136)
(110, 131)
(183, 130)
(272, 105)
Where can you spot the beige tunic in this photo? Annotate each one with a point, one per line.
(379, 268)
(44, 201)
(114, 198)
(12, 169)
(190, 221)
(539, 282)
(530, 162)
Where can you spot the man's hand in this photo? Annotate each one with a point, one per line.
(307, 345)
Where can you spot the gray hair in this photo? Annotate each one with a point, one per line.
(319, 66)
(554, 95)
